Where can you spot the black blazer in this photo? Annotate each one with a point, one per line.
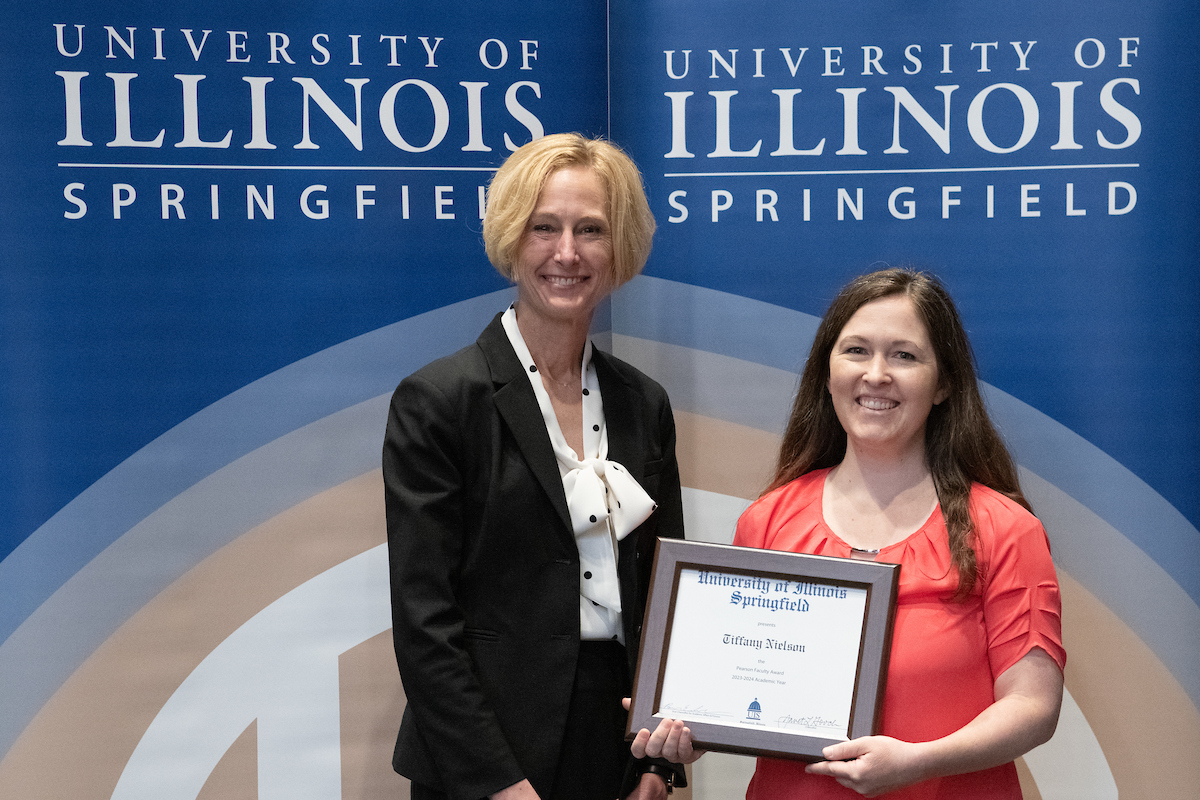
(484, 566)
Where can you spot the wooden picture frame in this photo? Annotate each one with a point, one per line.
(764, 652)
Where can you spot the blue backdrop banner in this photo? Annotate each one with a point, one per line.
(229, 229)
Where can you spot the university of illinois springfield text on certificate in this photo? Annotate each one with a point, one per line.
(755, 651)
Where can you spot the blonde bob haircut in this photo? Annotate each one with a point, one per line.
(514, 190)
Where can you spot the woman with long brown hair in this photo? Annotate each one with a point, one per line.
(889, 455)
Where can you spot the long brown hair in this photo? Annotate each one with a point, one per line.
(961, 444)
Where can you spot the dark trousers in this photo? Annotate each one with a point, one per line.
(594, 754)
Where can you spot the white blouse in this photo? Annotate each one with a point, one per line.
(604, 500)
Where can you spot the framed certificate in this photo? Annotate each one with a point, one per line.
(764, 652)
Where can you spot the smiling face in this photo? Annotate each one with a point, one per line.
(883, 378)
(564, 265)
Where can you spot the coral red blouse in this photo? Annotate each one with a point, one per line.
(945, 654)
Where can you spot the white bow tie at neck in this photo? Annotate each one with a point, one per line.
(601, 495)
(603, 500)
(599, 489)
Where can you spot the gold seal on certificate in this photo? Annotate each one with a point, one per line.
(764, 652)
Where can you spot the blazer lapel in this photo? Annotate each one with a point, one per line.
(626, 446)
(622, 415)
(519, 409)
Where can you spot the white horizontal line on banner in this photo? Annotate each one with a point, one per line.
(276, 167)
(893, 171)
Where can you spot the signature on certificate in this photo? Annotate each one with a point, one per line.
(808, 722)
(680, 711)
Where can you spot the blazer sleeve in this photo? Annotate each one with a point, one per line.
(668, 518)
(425, 470)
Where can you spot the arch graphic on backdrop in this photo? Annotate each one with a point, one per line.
(318, 423)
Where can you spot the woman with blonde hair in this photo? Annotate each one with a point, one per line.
(526, 480)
